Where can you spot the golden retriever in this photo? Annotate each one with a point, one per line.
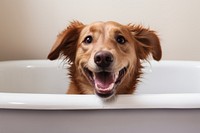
(105, 57)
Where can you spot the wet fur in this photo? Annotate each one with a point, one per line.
(144, 42)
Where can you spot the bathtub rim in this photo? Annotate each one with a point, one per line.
(33, 63)
(61, 101)
(64, 63)
(32, 101)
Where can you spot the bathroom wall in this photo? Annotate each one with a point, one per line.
(28, 28)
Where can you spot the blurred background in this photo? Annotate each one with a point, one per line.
(28, 28)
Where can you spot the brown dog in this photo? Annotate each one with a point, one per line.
(105, 56)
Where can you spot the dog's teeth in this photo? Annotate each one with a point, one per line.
(116, 76)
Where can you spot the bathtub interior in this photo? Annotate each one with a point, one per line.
(167, 77)
(50, 77)
(33, 76)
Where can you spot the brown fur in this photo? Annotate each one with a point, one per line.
(140, 43)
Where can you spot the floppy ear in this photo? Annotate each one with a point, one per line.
(147, 42)
(66, 42)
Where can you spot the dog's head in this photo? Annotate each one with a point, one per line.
(106, 53)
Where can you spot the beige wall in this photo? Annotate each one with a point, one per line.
(28, 28)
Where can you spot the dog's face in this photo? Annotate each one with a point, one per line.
(106, 54)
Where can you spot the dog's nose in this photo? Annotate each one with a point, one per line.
(103, 58)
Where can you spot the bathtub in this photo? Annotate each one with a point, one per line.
(33, 100)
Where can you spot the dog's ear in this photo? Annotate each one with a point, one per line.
(147, 42)
(66, 42)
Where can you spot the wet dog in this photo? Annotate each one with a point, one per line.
(105, 57)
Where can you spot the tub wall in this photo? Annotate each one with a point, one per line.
(29, 27)
(96, 121)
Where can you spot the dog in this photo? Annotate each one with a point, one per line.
(105, 57)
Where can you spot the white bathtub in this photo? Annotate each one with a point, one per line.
(32, 100)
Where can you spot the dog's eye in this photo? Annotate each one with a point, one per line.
(88, 39)
(120, 39)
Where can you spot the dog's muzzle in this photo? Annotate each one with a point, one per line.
(105, 80)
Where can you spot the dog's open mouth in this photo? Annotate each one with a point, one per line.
(104, 81)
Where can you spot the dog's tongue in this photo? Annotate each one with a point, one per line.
(104, 79)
